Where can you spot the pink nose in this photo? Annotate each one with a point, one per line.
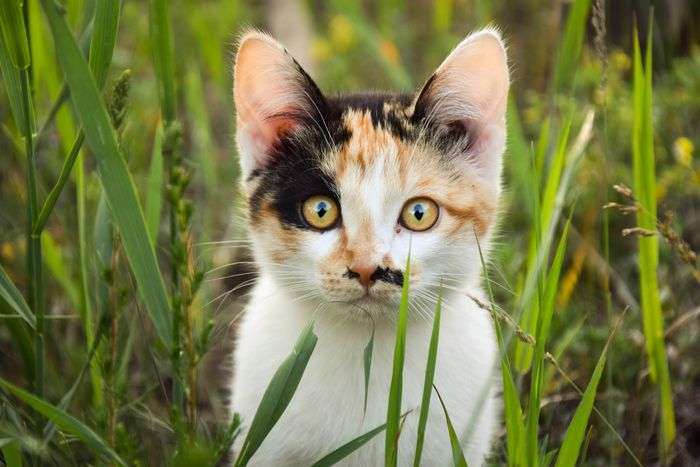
(363, 272)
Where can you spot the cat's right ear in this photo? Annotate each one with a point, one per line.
(273, 96)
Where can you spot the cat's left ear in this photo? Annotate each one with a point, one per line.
(469, 93)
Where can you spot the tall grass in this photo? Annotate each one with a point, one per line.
(643, 163)
(128, 314)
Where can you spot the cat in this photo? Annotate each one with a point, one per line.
(340, 190)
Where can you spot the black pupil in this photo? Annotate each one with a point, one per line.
(321, 208)
(418, 211)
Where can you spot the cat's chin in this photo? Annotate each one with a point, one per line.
(366, 307)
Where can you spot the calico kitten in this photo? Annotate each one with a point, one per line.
(338, 190)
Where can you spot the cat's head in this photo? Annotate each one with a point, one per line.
(340, 189)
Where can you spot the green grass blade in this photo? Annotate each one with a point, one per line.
(162, 51)
(102, 43)
(348, 448)
(393, 415)
(457, 453)
(202, 143)
(86, 298)
(64, 421)
(278, 394)
(104, 37)
(14, 299)
(118, 185)
(546, 306)
(154, 195)
(519, 160)
(12, 453)
(14, 34)
(531, 314)
(63, 176)
(367, 365)
(56, 264)
(428, 381)
(645, 190)
(50, 427)
(576, 431)
(571, 44)
(13, 86)
(515, 428)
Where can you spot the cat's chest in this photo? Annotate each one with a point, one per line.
(328, 408)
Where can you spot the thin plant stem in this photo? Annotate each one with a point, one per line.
(55, 192)
(34, 265)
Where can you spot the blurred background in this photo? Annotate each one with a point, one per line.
(395, 45)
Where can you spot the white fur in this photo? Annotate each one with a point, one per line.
(327, 409)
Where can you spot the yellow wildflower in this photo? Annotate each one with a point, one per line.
(620, 61)
(342, 32)
(321, 49)
(683, 150)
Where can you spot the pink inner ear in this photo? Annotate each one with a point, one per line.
(268, 93)
(257, 138)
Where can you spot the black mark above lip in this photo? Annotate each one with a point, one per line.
(388, 275)
(392, 276)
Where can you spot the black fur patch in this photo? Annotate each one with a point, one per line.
(295, 172)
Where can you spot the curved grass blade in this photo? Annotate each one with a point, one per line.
(428, 382)
(64, 421)
(116, 179)
(391, 445)
(102, 41)
(351, 446)
(367, 363)
(348, 448)
(278, 394)
(457, 453)
(576, 432)
(14, 299)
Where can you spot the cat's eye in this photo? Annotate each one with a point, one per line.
(419, 214)
(321, 212)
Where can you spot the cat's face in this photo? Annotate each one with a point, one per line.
(340, 190)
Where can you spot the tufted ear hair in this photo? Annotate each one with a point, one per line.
(273, 96)
(466, 100)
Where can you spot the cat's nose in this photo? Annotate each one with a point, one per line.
(365, 273)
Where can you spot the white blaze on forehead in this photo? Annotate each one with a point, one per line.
(368, 194)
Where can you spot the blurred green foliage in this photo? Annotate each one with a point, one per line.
(394, 45)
